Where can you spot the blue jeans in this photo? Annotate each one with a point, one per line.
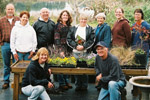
(6, 57)
(23, 56)
(113, 92)
(81, 81)
(33, 92)
(62, 79)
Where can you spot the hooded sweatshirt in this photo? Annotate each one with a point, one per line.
(23, 38)
(121, 34)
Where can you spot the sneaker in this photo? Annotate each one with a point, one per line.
(69, 86)
(5, 86)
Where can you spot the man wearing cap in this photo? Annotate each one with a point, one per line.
(108, 73)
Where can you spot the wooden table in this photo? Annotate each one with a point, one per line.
(20, 67)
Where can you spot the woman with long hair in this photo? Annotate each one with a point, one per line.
(37, 76)
(61, 30)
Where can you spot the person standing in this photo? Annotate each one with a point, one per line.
(121, 34)
(6, 24)
(60, 36)
(81, 38)
(37, 76)
(139, 36)
(139, 29)
(102, 31)
(44, 28)
(23, 39)
(108, 73)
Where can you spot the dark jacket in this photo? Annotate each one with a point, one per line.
(90, 38)
(110, 70)
(36, 75)
(45, 32)
(121, 34)
(102, 33)
(60, 38)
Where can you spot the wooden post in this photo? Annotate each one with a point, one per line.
(16, 87)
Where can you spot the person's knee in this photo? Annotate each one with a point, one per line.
(112, 85)
(39, 88)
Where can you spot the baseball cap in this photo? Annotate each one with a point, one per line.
(102, 44)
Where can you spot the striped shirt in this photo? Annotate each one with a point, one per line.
(5, 29)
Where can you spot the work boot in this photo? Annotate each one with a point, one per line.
(5, 86)
(63, 87)
(69, 86)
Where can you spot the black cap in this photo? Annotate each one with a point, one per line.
(102, 44)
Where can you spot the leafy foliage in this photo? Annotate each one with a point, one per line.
(49, 5)
(63, 61)
(140, 51)
(2, 6)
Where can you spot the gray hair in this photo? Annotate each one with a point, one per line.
(100, 15)
(44, 9)
(10, 4)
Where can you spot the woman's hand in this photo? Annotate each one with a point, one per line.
(50, 85)
(62, 54)
(49, 70)
(80, 48)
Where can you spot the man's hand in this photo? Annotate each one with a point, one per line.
(49, 70)
(16, 57)
(50, 85)
(98, 77)
(80, 48)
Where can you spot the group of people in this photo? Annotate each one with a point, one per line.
(26, 42)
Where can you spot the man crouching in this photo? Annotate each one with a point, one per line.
(108, 73)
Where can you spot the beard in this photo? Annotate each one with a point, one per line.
(10, 15)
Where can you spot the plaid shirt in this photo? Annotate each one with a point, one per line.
(5, 29)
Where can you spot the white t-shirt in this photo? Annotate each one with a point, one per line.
(10, 20)
(81, 31)
(42, 65)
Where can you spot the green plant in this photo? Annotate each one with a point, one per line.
(3, 5)
(140, 51)
(90, 61)
(63, 61)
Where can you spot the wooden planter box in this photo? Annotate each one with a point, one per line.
(62, 66)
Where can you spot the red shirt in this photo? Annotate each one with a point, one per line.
(5, 29)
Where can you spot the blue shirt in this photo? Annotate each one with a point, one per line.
(136, 34)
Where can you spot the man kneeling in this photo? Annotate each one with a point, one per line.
(109, 73)
(37, 77)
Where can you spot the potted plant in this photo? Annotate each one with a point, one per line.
(140, 57)
(63, 62)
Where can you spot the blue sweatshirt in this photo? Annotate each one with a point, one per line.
(103, 33)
